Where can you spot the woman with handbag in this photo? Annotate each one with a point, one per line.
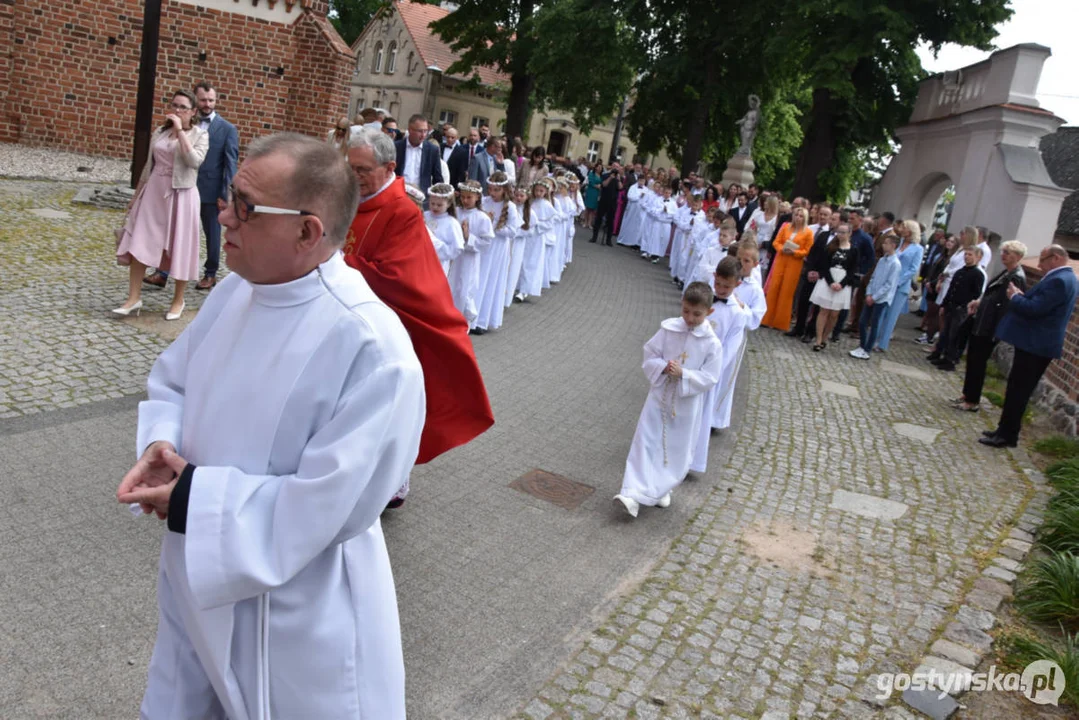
(162, 227)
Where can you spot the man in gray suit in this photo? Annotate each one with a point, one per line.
(486, 161)
(215, 176)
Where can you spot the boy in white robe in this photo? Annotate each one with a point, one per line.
(277, 427)
(705, 269)
(691, 226)
(629, 233)
(664, 226)
(750, 292)
(682, 363)
(443, 224)
(729, 321)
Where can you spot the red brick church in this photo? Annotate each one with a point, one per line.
(69, 68)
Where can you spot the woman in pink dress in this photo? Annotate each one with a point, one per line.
(162, 228)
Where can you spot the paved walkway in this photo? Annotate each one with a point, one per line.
(754, 593)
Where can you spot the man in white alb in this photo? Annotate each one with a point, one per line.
(278, 426)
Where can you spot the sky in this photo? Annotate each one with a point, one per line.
(1052, 23)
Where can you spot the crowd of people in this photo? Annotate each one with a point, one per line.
(336, 356)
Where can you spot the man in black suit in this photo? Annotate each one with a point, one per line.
(418, 161)
(816, 263)
(455, 153)
(741, 212)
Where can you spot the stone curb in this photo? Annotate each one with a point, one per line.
(965, 641)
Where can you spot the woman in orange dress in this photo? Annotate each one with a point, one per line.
(792, 244)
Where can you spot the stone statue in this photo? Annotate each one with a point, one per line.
(748, 125)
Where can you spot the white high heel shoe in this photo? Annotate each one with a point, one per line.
(136, 308)
(664, 502)
(176, 316)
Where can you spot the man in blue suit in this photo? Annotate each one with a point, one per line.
(1034, 324)
(215, 176)
(418, 161)
(486, 161)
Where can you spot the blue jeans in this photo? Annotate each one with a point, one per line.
(869, 325)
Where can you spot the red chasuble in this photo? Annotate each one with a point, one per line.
(388, 243)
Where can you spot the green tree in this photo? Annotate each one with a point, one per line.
(706, 60)
(350, 17)
(532, 41)
(864, 73)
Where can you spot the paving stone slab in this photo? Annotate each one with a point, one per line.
(920, 433)
(904, 370)
(840, 389)
(868, 506)
(931, 703)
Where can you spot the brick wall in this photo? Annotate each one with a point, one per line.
(72, 77)
(7, 53)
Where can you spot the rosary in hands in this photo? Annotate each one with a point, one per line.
(674, 369)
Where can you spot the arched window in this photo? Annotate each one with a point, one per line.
(377, 67)
(391, 61)
(409, 69)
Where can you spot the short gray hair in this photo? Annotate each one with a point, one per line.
(1057, 250)
(379, 142)
(1014, 246)
(321, 182)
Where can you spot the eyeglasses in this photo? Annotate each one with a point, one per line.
(181, 107)
(243, 209)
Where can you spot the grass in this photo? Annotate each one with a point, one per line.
(1060, 530)
(1064, 474)
(994, 397)
(1022, 650)
(1058, 447)
(1051, 593)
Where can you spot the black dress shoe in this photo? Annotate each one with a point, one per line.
(808, 339)
(933, 358)
(477, 331)
(791, 333)
(945, 366)
(835, 337)
(989, 433)
(592, 240)
(996, 441)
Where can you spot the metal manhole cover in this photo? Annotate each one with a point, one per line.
(555, 489)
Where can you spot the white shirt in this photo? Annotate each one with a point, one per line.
(296, 460)
(204, 122)
(987, 256)
(446, 152)
(413, 158)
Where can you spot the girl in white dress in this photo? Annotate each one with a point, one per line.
(576, 208)
(465, 271)
(538, 217)
(517, 254)
(556, 251)
(495, 260)
(442, 223)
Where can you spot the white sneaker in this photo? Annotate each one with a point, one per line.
(631, 505)
(859, 353)
(664, 501)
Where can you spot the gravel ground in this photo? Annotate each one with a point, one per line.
(21, 161)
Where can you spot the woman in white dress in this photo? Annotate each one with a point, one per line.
(763, 225)
(836, 277)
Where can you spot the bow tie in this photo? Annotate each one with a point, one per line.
(721, 300)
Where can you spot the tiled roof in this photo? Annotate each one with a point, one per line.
(1060, 152)
(433, 51)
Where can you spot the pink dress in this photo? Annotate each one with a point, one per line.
(162, 229)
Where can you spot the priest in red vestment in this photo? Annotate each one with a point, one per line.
(389, 244)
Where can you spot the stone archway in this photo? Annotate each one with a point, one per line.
(925, 195)
(978, 128)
